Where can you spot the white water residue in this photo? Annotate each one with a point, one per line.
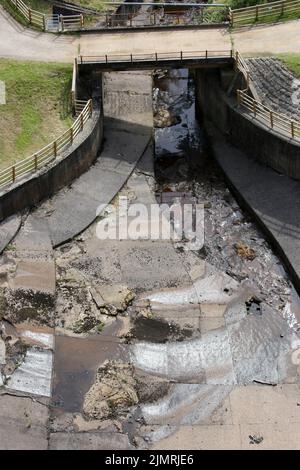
(45, 339)
(34, 374)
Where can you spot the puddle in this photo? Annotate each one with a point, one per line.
(76, 362)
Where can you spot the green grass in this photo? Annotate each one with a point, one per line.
(292, 62)
(37, 108)
(39, 5)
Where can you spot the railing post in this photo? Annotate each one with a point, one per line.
(14, 174)
(248, 80)
(29, 16)
(156, 56)
(44, 22)
(81, 122)
(55, 149)
(81, 20)
(282, 9)
(91, 107)
(238, 92)
(292, 129)
(72, 135)
(131, 58)
(256, 13)
(181, 56)
(61, 20)
(206, 54)
(236, 61)
(35, 163)
(254, 108)
(106, 58)
(154, 19)
(130, 22)
(271, 119)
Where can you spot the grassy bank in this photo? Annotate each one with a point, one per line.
(292, 62)
(37, 108)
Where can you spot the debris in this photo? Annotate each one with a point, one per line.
(244, 251)
(255, 439)
(271, 384)
(111, 298)
(113, 390)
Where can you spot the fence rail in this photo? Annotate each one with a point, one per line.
(277, 121)
(48, 153)
(154, 57)
(272, 11)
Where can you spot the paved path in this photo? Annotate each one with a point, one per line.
(19, 42)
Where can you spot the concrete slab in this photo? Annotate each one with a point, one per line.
(262, 404)
(34, 374)
(276, 436)
(23, 424)
(216, 437)
(89, 441)
(38, 276)
(8, 229)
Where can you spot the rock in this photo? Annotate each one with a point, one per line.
(113, 390)
(111, 298)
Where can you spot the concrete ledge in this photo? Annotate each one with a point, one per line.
(49, 180)
(272, 199)
(254, 138)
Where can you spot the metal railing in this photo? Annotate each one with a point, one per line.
(154, 57)
(276, 121)
(48, 153)
(272, 11)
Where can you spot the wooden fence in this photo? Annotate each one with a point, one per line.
(48, 22)
(277, 121)
(266, 12)
(49, 153)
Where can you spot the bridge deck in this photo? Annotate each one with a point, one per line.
(158, 59)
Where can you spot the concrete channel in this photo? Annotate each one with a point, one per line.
(145, 343)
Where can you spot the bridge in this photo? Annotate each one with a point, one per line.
(157, 59)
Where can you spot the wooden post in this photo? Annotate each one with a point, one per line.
(271, 119)
(72, 135)
(292, 129)
(254, 108)
(181, 56)
(236, 61)
(55, 149)
(248, 80)
(106, 58)
(14, 174)
(282, 9)
(44, 22)
(61, 22)
(256, 13)
(91, 107)
(35, 163)
(131, 58)
(81, 121)
(81, 20)
(206, 54)
(156, 56)
(29, 16)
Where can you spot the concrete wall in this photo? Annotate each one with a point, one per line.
(256, 140)
(75, 161)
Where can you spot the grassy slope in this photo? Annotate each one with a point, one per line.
(37, 107)
(292, 62)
